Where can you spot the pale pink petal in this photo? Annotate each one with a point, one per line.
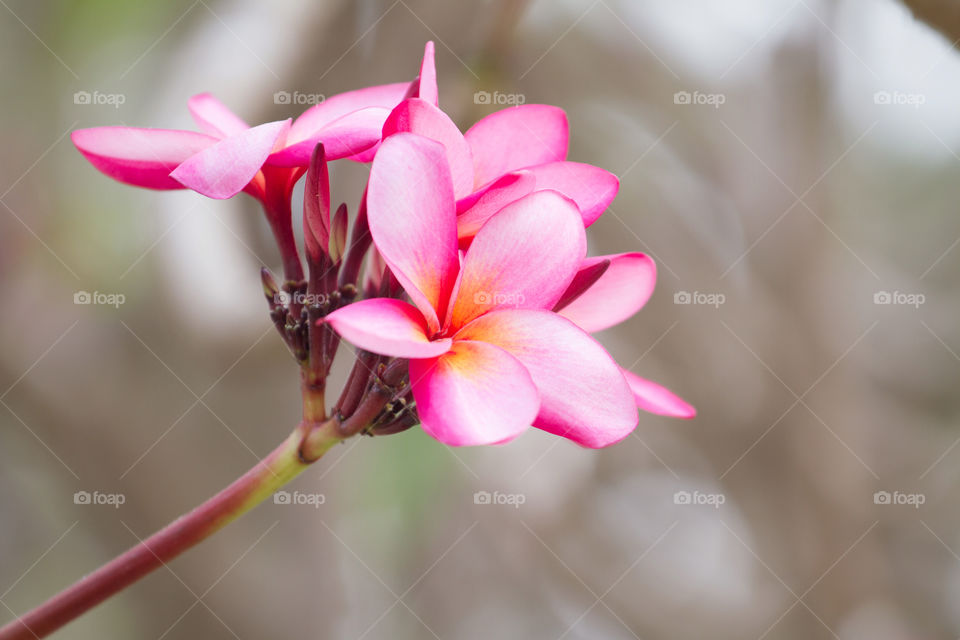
(366, 155)
(620, 292)
(524, 257)
(311, 121)
(412, 219)
(474, 394)
(141, 157)
(657, 399)
(388, 327)
(583, 394)
(592, 188)
(341, 138)
(426, 82)
(418, 116)
(224, 169)
(515, 138)
(213, 117)
(478, 207)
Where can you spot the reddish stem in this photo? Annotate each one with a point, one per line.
(278, 468)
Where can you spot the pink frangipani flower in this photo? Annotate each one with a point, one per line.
(487, 356)
(229, 156)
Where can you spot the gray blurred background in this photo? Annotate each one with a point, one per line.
(804, 196)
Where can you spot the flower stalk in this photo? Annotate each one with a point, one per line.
(277, 469)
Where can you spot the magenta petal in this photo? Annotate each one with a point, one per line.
(657, 399)
(516, 138)
(213, 117)
(410, 208)
(224, 169)
(583, 394)
(141, 157)
(524, 257)
(477, 208)
(620, 292)
(418, 116)
(592, 188)
(474, 394)
(426, 82)
(342, 138)
(388, 327)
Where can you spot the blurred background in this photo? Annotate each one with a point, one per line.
(793, 167)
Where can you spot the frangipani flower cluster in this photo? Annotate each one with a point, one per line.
(477, 299)
(465, 285)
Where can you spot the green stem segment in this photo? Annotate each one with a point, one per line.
(271, 473)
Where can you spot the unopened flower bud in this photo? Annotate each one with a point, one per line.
(338, 234)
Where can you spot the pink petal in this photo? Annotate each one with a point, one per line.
(141, 157)
(421, 117)
(385, 96)
(620, 292)
(356, 134)
(515, 138)
(224, 169)
(592, 188)
(524, 257)
(426, 83)
(213, 117)
(474, 394)
(412, 219)
(388, 327)
(583, 395)
(344, 137)
(590, 271)
(477, 208)
(657, 399)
